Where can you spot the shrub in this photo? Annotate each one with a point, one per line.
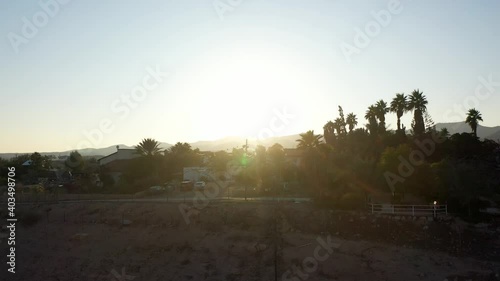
(351, 201)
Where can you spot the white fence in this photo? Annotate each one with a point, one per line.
(409, 210)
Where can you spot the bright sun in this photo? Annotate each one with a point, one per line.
(235, 95)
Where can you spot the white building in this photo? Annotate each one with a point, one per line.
(120, 154)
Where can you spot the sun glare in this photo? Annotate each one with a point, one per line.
(236, 95)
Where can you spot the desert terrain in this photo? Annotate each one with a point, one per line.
(243, 241)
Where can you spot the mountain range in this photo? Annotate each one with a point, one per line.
(228, 143)
(492, 133)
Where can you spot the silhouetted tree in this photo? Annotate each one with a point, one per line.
(399, 105)
(148, 147)
(329, 132)
(308, 140)
(351, 121)
(473, 118)
(371, 116)
(418, 103)
(75, 162)
(380, 110)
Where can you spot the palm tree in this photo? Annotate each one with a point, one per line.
(418, 103)
(338, 125)
(399, 105)
(473, 116)
(148, 147)
(310, 144)
(371, 116)
(329, 132)
(341, 121)
(352, 121)
(308, 140)
(381, 110)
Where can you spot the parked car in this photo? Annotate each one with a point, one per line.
(157, 189)
(199, 185)
(169, 187)
(187, 185)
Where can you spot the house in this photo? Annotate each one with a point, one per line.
(294, 156)
(120, 155)
(116, 163)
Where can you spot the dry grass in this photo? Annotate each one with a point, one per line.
(227, 242)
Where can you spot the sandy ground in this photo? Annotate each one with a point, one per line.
(241, 241)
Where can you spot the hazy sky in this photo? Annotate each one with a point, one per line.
(93, 72)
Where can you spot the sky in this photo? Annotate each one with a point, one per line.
(77, 74)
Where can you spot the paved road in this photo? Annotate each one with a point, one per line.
(180, 200)
(222, 194)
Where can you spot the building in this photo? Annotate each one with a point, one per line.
(120, 155)
(116, 163)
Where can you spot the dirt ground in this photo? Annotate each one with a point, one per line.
(244, 241)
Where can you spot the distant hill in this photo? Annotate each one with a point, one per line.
(97, 152)
(461, 127)
(229, 143)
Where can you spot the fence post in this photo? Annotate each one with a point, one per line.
(372, 208)
(446, 209)
(413, 210)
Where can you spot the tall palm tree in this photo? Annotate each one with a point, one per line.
(308, 140)
(329, 132)
(399, 105)
(381, 110)
(418, 103)
(473, 118)
(338, 125)
(341, 121)
(352, 121)
(371, 116)
(148, 147)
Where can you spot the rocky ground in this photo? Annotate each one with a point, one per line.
(244, 241)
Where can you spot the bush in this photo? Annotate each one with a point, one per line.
(107, 179)
(325, 202)
(351, 201)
